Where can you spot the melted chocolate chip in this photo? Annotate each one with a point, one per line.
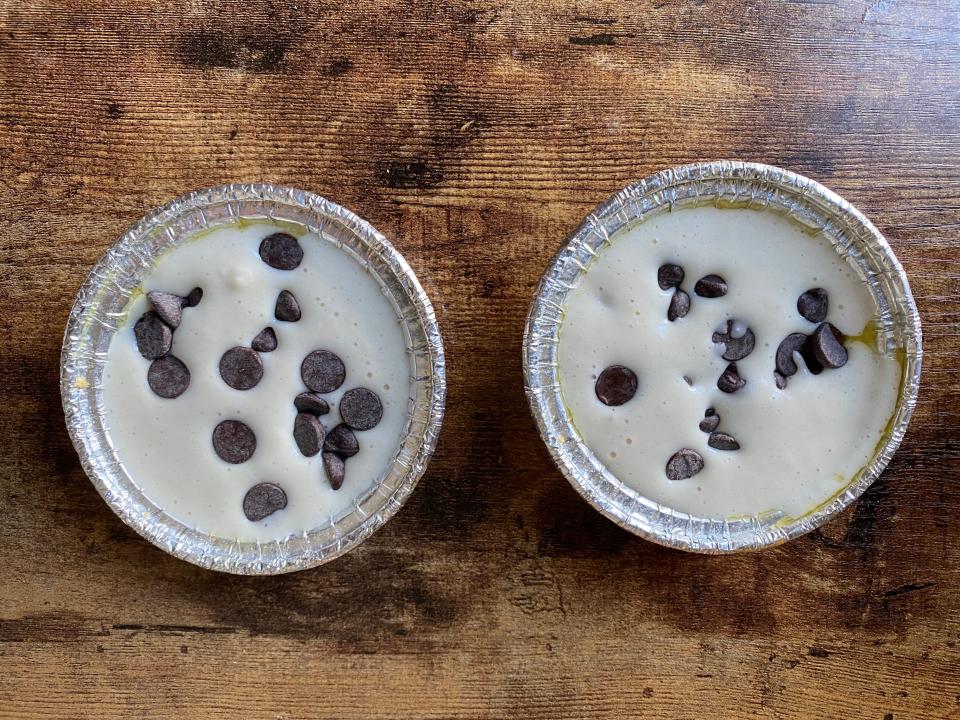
(263, 500)
(241, 368)
(234, 442)
(322, 371)
(711, 286)
(168, 377)
(735, 348)
(669, 275)
(710, 423)
(828, 346)
(683, 464)
(616, 385)
(679, 305)
(730, 380)
(281, 251)
(783, 359)
(154, 336)
(812, 305)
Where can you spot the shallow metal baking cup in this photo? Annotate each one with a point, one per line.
(99, 307)
(750, 185)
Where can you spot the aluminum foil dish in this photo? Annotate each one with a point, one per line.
(99, 311)
(816, 211)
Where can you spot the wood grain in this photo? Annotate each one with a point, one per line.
(476, 134)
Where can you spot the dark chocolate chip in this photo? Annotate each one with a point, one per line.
(810, 358)
(710, 423)
(730, 380)
(669, 275)
(241, 368)
(783, 359)
(683, 464)
(735, 348)
(361, 408)
(616, 385)
(168, 306)
(308, 402)
(168, 377)
(154, 336)
(709, 411)
(812, 305)
(322, 371)
(341, 441)
(263, 500)
(688, 380)
(722, 441)
(193, 298)
(779, 380)
(234, 441)
(265, 341)
(828, 346)
(711, 286)
(308, 432)
(281, 251)
(287, 309)
(679, 305)
(335, 468)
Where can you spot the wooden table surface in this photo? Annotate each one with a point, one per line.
(476, 135)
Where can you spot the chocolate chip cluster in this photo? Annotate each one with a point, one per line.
(168, 376)
(821, 349)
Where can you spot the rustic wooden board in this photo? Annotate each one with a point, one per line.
(476, 134)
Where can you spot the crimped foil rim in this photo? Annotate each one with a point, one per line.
(90, 325)
(755, 185)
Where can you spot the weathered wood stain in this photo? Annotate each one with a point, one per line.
(476, 134)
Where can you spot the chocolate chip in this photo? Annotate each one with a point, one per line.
(234, 441)
(730, 380)
(154, 336)
(341, 441)
(263, 500)
(710, 423)
(828, 346)
(722, 441)
(810, 358)
(783, 359)
(168, 306)
(281, 251)
(711, 286)
(679, 305)
(779, 380)
(812, 305)
(193, 298)
(308, 433)
(709, 412)
(265, 341)
(322, 371)
(241, 368)
(335, 468)
(669, 275)
(683, 464)
(287, 309)
(616, 385)
(735, 348)
(308, 402)
(361, 408)
(168, 377)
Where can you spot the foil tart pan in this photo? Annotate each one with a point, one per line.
(99, 309)
(747, 185)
